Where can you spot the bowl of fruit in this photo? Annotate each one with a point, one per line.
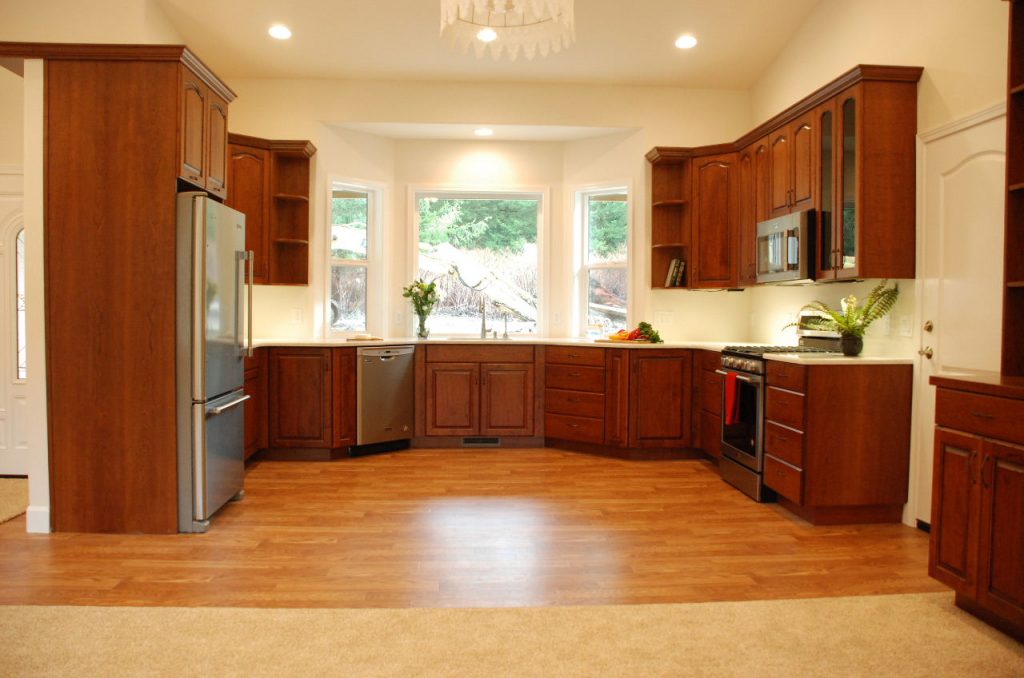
(643, 333)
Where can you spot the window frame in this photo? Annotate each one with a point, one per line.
(459, 192)
(374, 265)
(581, 226)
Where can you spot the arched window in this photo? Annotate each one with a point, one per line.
(19, 275)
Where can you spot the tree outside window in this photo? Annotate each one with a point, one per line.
(351, 219)
(605, 271)
(480, 248)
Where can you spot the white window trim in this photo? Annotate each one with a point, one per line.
(510, 192)
(581, 267)
(376, 319)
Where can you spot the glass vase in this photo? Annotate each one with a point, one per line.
(422, 331)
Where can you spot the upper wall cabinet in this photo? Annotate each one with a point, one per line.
(716, 212)
(847, 152)
(203, 124)
(269, 183)
(792, 166)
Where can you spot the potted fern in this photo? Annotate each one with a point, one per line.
(853, 317)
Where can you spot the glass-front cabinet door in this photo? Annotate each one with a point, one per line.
(827, 195)
(847, 216)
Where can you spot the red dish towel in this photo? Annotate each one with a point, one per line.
(732, 400)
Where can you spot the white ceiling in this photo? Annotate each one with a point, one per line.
(617, 41)
(401, 130)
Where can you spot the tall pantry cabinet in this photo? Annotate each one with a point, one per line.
(126, 127)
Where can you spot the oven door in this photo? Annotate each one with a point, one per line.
(742, 432)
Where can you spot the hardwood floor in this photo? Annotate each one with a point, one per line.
(434, 528)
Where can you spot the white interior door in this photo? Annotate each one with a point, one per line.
(962, 266)
(14, 416)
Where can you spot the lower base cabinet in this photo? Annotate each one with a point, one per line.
(311, 398)
(660, 396)
(256, 405)
(977, 535)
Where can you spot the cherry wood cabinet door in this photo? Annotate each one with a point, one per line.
(1001, 534)
(660, 398)
(300, 391)
(616, 398)
(248, 188)
(256, 405)
(506, 399)
(716, 218)
(194, 95)
(747, 222)
(217, 145)
(802, 132)
(452, 399)
(779, 153)
(762, 181)
(953, 550)
(343, 417)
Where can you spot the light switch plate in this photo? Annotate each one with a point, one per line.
(663, 317)
(906, 325)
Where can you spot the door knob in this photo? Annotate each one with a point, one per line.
(927, 352)
(928, 326)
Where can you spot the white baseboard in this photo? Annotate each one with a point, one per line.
(37, 519)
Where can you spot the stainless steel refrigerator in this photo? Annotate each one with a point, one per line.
(214, 335)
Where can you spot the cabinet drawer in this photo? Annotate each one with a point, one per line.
(711, 392)
(557, 401)
(784, 443)
(985, 415)
(568, 427)
(784, 479)
(707, 360)
(573, 378)
(787, 375)
(571, 355)
(474, 353)
(785, 407)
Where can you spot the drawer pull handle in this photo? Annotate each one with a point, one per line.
(574, 400)
(574, 374)
(574, 425)
(983, 415)
(782, 439)
(574, 355)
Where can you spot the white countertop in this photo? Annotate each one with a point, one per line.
(798, 358)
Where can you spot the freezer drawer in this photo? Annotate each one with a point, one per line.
(218, 458)
(385, 407)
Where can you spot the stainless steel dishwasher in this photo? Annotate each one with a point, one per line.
(385, 381)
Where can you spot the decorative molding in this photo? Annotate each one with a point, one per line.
(974, 119)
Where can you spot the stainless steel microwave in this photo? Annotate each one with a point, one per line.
(785, 249)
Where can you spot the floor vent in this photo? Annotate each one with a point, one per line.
(923, 526)
(481, 442)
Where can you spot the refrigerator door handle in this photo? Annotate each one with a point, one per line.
(251, 256)
(213, 410)
(240, 258)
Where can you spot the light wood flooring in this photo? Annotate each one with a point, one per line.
(471, 528)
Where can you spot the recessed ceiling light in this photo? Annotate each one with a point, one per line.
(484, 132)
(487, 35)
(279, 32)
(686, 41)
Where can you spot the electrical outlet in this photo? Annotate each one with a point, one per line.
(662, 318)
(297, 316)
(906, 325)
(556, 318)
(398, 317)
(883, 326)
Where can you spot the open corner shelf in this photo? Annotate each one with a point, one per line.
(675, 202)
(290, 241)
(291, 197)
(1017, 89)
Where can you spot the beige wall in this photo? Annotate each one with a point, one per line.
(960, 43)
(12, 119)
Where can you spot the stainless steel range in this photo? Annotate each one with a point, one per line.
(743, 392)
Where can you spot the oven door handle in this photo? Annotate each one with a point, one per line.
(741, 377)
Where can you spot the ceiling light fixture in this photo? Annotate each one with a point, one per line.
(279, 32)
(484, 132)
(686, 41)
(510, 26)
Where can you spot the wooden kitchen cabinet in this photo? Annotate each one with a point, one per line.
(837, 440)
(273, 186)
(977, 528)
(855, 169)
(659, 398)
(716, 219)
(256, 405)
(793, 166)
(300, 397)
(343, 396)
(575, 402)
(474, 390)
(203, 136)
(707, 405)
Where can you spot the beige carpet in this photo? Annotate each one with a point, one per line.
(902, 635)
(13, 498)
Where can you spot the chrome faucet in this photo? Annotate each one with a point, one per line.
(483, 317)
